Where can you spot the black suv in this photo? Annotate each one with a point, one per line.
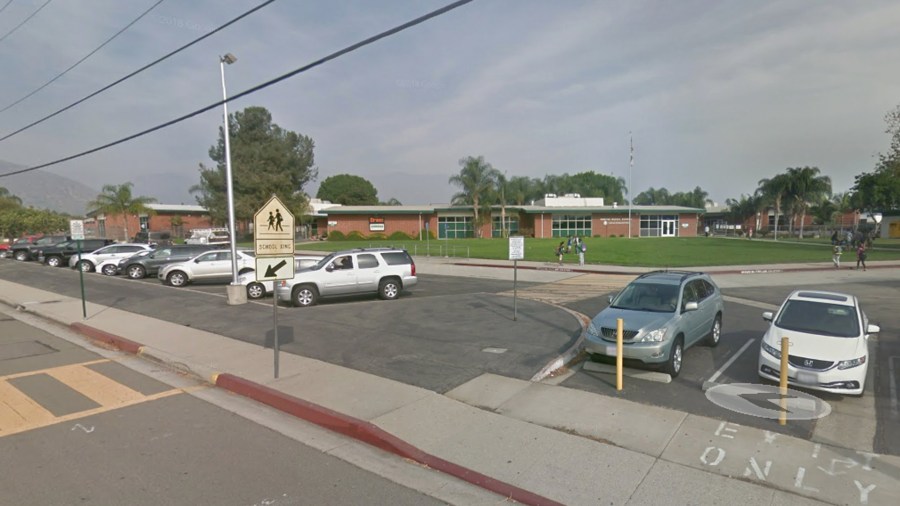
(141, 266)
(28, 251)
(59, 254)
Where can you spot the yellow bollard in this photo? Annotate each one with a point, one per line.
(619, 354)
(783, 384)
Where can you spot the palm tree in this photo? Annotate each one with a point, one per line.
(806, 186)
(773, 190)
(501, 191)
(477, 179)
(117, 199)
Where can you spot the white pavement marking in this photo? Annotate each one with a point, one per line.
(730, 361)
(892, 381)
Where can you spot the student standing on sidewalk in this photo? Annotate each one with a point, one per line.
(836, 252)
(560, 250)
(861, 255)
(581, 249)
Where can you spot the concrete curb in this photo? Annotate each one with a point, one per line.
(360, 430)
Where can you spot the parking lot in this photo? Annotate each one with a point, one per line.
(448, 331)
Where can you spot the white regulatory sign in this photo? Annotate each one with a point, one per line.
(76, 229)
(274, 268)
(517, 248)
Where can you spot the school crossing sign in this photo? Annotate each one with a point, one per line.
(273, 241)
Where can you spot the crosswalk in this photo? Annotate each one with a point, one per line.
(576, 288)
(35, 399)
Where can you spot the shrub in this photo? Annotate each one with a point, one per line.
(400, 236)
(336, 235)
(355, 236)
(377, 236)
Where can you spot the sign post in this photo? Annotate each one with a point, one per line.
(273, 240)
(516, 253)
(76, 231)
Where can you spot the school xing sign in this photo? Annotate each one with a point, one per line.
(273, 240)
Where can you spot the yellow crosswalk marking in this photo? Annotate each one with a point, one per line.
(17, 409)
(94, 385)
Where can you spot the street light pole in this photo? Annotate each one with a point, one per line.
(234, 294)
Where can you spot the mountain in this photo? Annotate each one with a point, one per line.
(44, 190)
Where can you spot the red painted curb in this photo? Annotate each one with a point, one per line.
(372, 434)
(105, 337)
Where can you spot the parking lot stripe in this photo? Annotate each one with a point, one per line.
(17, 410)
(892, 381)
(730, 361)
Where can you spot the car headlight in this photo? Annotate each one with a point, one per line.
(655, 336)
(848, 364)
(592, 330)
(771, 350)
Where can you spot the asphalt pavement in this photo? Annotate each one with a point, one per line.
(532, 441)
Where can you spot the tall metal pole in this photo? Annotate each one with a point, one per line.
(229, 59)
(630, 167)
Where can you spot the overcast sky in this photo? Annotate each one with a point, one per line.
(716, 94)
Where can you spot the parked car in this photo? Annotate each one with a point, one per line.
(153, 238)
(111, 267)
(141, 266)
(829, 342)
(382, 271)
(26, 249)
(209, 236)
(4, 249)
(59, 254)
(114, 252)
(212, 265)
(663, 314)
(259, 289)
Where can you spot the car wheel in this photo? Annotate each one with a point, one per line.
(305, 296)
(21, 256)
(109, 270)
(389, 289)
(177, 278)
(676, 355)
(54, 261)
(715, 333)
(86, 266)
(256, 291)
(136, 272)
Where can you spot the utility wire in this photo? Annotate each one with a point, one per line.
(23, 22)
(138, 71)
(256, 88)
(5, 6)
(64, 72)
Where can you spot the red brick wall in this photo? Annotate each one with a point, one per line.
(160, 222)
(408, 224)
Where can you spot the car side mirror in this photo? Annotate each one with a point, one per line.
(767, 316)
(609, 299)
(329, 267)
(691, 306)
(872, 329)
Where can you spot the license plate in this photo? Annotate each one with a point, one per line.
(807, 378)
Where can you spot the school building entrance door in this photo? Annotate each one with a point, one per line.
(669, 228)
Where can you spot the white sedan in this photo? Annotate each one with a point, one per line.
(828, 338)
(259, 289)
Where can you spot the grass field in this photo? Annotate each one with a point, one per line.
(643, 252)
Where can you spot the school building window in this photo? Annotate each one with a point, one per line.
(659, 225)
(565, 225)
(512, 226)
(455, 227)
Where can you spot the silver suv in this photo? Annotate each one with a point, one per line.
(382, 271)
(663, 313)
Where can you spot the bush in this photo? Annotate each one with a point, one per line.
(336, 236)
(355, 236)
(400, 236)
(377, 236)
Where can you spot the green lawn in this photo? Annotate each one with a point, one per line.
(644, 252)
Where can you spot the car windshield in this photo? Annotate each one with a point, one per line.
(647, 296)
(321, 263)
(822, 318)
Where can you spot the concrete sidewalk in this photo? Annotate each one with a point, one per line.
(532, 442)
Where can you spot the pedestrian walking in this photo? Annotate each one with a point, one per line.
(836, 252)
(861, 255)
(569, 245)
(560, 250)
(581, 249)
(834, 237)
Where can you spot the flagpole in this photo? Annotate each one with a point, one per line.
(630, 166)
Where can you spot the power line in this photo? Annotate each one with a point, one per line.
(5, 6)
(138, 71)
(64, 72)
(23, 22)
(256, 88)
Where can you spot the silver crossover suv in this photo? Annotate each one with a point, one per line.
(385, 271)
(663, 313)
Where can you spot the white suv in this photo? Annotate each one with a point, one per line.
(382, 271)
(213, 265)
